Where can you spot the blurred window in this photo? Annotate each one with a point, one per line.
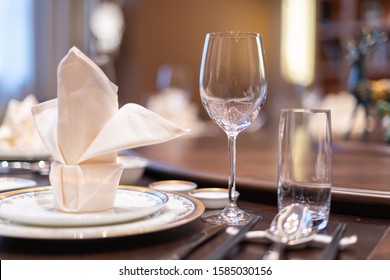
(16, 48)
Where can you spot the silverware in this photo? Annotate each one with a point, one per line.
(330, 251)
(290, 225)
(314, 240)
(236, 235)
(195, 241)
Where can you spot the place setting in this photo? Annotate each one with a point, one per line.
(30, 213)
(92, 173)
(19, 140)
(21, 149)
(90, 195)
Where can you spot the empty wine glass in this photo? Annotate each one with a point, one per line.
(233, 87)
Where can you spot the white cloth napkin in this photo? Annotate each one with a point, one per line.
(175, 105)
(18, 135)
(342, 105)
(83, 130)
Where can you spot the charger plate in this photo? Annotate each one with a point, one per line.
(179, 209)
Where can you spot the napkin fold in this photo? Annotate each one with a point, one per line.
(83, 130)
(18, 135)
(175, 105)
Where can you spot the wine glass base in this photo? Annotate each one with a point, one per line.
(224, 217)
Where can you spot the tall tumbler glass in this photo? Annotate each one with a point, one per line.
(305, 160)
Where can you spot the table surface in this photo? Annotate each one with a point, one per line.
(360, 199)
(359, 170)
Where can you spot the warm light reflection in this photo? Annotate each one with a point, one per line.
(298, 41)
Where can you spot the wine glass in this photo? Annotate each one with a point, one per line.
(233, 87)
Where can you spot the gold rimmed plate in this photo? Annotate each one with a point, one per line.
(178, 210)
(173, 186)
(37, 208)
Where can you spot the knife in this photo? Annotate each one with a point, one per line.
(331, 249)
(195, 241)
(236, 235)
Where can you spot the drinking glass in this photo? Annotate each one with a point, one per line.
(304, 161)
(233, 89)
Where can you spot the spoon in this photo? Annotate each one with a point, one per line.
(290, 225)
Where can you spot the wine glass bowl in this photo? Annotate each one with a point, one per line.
(233, 89)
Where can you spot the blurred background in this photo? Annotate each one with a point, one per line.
(145, 46)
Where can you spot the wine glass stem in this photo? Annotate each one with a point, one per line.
(232, 168)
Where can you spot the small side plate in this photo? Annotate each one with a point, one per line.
(173, 186)
(212, 198)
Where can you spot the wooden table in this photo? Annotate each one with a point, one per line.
(360, 198)
(360, 171)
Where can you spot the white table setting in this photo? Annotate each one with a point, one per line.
(83, 130)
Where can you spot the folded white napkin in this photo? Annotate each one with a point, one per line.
(342, 105)
(83, 130)
(175, 105)
(18, 135)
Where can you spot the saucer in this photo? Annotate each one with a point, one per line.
(212, 198)
(173, 186)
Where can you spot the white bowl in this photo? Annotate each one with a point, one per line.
(173, 186)
(133, 169)
(212, 198)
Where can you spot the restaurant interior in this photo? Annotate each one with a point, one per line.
(322, 54)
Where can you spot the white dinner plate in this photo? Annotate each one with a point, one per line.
(37, 208)
(11, 183)
(180, 209)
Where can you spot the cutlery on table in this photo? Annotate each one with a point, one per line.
(196, 240)
(236, 235)
(330, 251)
(290, 225)
(314, 239)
